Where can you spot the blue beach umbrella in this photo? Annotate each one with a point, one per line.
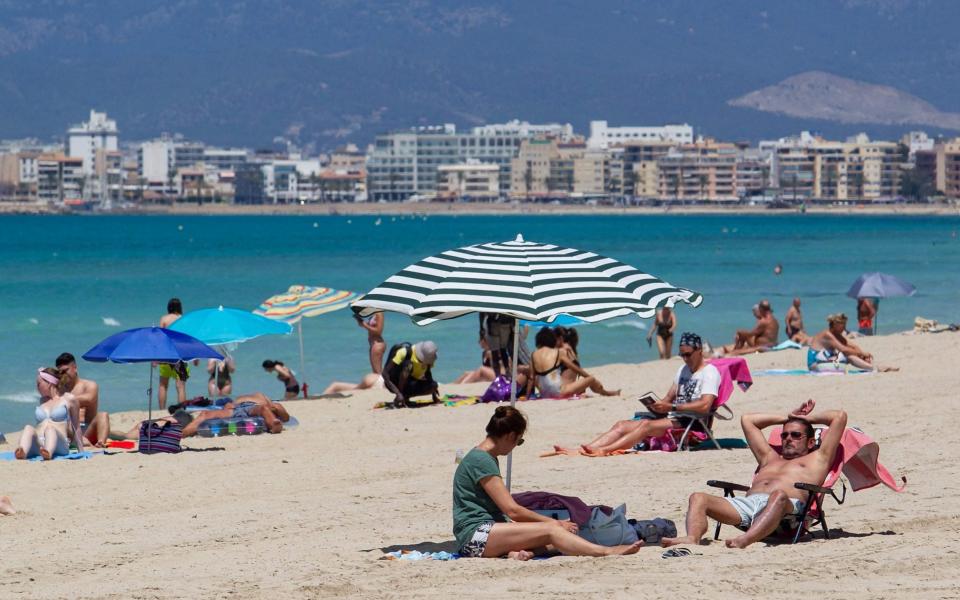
(150, 344)
(216, 326)
(880, 285)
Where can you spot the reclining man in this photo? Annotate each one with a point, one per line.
(771, 496)
(764, 334)
(694, 390)
(274, 415)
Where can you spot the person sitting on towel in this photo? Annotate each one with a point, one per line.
(407, 372)
(772, 495)
(832, 346)
(274, 415)
(694, 389)
(482, 504)
(546, 363)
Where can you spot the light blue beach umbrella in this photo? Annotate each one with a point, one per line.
(880, 285)
(218, 326)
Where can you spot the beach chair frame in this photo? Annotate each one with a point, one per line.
(705, 420)
(810, 517)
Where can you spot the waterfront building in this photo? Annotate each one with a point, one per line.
(85, 139)
(941, 167)
(60, 180)
(470, 180)
(18, 176)
(704, 170)
(404, 164)
(603, 136)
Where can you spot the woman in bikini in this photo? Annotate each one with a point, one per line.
(374, 326)
(221, 376)
(664, 327)
(291, 387)
(58, 421)
(545, 371)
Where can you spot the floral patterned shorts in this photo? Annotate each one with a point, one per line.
(478, 543)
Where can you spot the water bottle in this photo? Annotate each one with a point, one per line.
(459, 457)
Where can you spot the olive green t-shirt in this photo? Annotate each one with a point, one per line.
(471, 505)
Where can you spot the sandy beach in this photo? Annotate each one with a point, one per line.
(309, 513)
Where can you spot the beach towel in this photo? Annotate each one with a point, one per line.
(72, 456)
(732, 370)
(417, 555)
(857, 459)
(784, 345)
(769, 372)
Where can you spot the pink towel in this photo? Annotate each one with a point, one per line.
(733, 369)
(857, 458)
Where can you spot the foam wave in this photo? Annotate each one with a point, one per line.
(110, 321)
(21, 397)
(631, 323)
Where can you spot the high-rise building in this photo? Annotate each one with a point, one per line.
(83, 140)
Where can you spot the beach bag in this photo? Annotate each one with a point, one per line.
(651, 531)
(497, 391)
(163, 437)
(609, 530)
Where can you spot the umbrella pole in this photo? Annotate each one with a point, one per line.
(303, 374)
(149, 408)
(513, 388)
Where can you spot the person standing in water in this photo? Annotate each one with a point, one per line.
(291, 387)
(664, 326)
(374, 326)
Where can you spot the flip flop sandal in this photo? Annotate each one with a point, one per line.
(678, 553)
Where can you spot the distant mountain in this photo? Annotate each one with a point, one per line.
(322, 72)
(819, 95)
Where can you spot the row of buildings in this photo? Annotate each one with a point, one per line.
(510, 160)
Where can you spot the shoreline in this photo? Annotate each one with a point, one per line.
(469, 209)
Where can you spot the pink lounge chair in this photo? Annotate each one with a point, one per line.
(856, 458)
(732, 370)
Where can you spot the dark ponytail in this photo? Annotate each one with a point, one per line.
(506, 419)
(269, 364)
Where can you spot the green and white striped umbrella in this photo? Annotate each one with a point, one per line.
(525, 280)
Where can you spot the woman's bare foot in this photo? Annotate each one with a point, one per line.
(45, 453)
(667, 542)
(625, 549)
(19, 454)
(888, 369)
(559, 451)
(520, 555)
(6, 506)
(586, 450)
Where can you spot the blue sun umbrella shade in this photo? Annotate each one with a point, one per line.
(221, 325)
(880, 285)
(145, 344)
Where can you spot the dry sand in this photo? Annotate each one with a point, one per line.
(308, 513)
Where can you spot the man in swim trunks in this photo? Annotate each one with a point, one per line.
(407, 372)
(793, 323)
(866, 312)
(832, 346)
(772, 495)
(274, 415)
(764, 334)
(179, 372)
(94, 423)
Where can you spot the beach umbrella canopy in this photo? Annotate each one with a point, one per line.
(565, 320)
(216, 326)
(525, 280)
(880, 285)
(301, 301)
(150, 344)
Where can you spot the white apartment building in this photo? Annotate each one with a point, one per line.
(83, 140)
(405, 163)
(602, 136)
(471, 180)
(156, 161)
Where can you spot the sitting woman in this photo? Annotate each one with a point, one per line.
(291, 387)
(567, 341)
(546, 362)
(221, 376)
(58, 421)
(482, 504)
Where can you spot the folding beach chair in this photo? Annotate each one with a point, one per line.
(731, 370)
(856, 459)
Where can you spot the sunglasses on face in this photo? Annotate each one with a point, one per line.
(687, 354)
(520, 442)
(796, 435)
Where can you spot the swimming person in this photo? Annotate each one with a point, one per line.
(664, 326)
(58, 421)
(179, 372)
(221, 376)
(291, 387)
(482, 504)
(545, 366)
(374, 327)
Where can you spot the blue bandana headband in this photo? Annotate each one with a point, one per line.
(691, 339)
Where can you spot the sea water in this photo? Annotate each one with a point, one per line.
(67, 282)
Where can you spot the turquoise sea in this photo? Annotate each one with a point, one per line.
(68, 282)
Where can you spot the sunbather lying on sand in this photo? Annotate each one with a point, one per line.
(242, 407)
(694, 390)
(772, 495)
